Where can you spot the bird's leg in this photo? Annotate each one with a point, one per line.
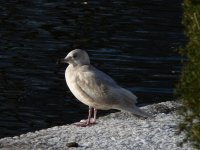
(89, 116)
(95, 115)
(89, 121)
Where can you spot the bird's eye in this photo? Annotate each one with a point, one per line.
(74, 56)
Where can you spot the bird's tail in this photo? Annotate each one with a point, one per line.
(137, 111)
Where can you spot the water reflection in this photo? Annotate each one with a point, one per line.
(133, 41)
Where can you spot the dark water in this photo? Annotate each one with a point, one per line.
(133, 41)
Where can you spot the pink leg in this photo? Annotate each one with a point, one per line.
(89, 121)
(89, 116)
(95, 115)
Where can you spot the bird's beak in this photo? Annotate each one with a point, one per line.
(65, 60)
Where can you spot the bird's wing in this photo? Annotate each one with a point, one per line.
(97, 85)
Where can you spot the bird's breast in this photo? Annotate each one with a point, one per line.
(70, 76)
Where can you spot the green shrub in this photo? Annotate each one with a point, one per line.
(189, 86)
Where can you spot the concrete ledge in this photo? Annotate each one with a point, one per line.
(117, 131)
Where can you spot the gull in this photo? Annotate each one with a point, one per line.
(96, 89)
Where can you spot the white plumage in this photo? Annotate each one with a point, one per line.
(96, 89)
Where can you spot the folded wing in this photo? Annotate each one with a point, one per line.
(102, 89)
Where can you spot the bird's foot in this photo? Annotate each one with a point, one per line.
(85, 123)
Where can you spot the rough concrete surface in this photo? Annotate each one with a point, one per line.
(117, 131)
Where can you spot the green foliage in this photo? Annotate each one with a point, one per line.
(189, 86)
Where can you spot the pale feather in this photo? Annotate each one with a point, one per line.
(102, 89)
(96, 89)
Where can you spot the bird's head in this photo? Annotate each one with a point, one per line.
(77, 57)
